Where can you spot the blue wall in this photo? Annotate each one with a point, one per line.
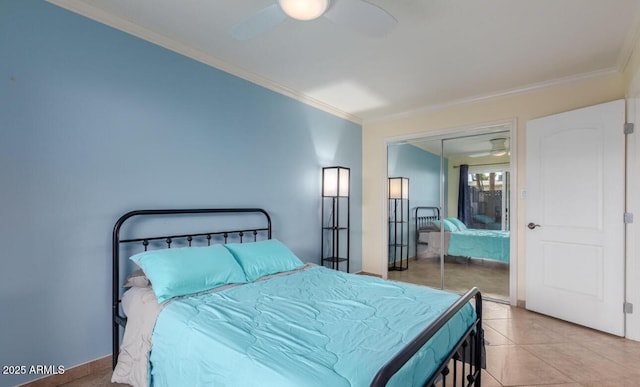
(94, 123)
(423, 170)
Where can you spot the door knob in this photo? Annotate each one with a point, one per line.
(533, 225)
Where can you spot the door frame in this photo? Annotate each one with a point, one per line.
(452, 133)
(632, 205)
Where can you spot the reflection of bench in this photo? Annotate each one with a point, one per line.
(485, 222)
(424, 218)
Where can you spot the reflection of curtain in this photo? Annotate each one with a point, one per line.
(464, 199)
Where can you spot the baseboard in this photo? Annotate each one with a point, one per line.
(73, 373)
(521, 304)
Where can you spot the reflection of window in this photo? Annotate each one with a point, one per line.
(486, 188)
(484, 179)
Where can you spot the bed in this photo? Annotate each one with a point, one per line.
(457, 240)
(275, 320)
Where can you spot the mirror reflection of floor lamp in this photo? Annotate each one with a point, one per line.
(398, 223)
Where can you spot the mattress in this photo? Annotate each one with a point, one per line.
(429, 244)
(315, 327)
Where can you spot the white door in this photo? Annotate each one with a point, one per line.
(575, 201)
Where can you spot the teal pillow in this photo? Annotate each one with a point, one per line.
(458, 223)
(448, 226)
(264, 258)
(188, 270)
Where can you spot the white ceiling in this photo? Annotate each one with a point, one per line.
(441, 52)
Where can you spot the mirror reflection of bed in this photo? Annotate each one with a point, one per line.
(472, 257)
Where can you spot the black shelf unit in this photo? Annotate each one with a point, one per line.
(398, 223)
(336, 221)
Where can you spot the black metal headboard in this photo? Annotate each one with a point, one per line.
(425, 216)
(242, 235)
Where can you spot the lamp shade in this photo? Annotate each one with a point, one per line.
(335, 181)
(304, 9)
(398, 188)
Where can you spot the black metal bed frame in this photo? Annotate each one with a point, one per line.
(468, 350)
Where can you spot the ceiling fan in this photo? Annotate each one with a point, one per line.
(358, 15)
(498, 148)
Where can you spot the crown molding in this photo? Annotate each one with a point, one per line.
(498, 94)
(101, 16)
(629, 43)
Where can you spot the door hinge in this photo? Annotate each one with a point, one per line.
(628, 128)
(628, 308)
(628, 218)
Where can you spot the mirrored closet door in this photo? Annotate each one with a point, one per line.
(459, 211)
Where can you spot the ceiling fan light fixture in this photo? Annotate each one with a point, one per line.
(498, 147)
(304, 9)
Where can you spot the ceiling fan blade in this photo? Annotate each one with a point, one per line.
(498, 148)
(258, 23)
(361, 16)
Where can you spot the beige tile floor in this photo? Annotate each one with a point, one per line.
(460, 274)
(529, 349)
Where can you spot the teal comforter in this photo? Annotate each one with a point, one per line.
(316, 327)
(487, 244)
